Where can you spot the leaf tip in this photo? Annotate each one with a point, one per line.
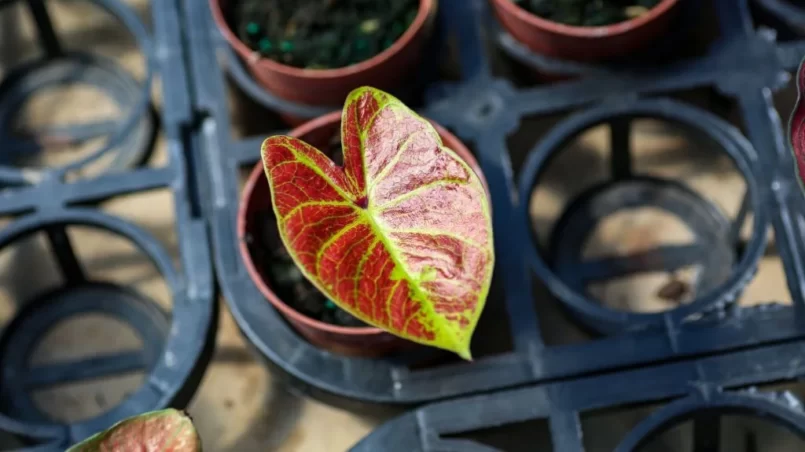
(362, 91)
(465, 353)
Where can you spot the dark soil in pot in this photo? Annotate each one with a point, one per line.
(283, 276)
(587, 13)
(320, 34)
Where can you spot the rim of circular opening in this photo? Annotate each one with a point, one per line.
(640, 110)
(756, 406)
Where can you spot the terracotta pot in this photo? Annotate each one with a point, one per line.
(256, 198)
(323, 87)
(584, 43)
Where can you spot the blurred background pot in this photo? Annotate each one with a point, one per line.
(584, 43)
(386, 70)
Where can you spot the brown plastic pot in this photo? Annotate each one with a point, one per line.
(323, 87)
(584, 43)
(256, 198)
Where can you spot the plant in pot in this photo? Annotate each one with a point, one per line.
(317, 51)
(165, 430)
(585, 30)
(398, 236)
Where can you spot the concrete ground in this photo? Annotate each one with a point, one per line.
(239, 406)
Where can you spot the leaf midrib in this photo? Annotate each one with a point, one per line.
(371, 212)
(368, 215)
(419, 292)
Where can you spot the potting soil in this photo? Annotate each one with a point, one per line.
(320, 34)
(588, 13)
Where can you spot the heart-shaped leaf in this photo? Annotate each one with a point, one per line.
(159, 431)
(400, 236)
(797, 127)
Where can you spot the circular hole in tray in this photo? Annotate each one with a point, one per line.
(701, 178)
(61, 108)
(78, 25)
(100, 335)
(739, 434)
(63, 111)
(633, 231)
(643, 208)
(73, 347)
(49, 110)
(724, 430)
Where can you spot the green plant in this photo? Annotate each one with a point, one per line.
(400, 236)
(158, 431)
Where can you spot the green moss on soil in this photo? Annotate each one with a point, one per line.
(320, 34)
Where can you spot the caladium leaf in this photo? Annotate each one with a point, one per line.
(400, 236)
(159, 431)
(797, 128)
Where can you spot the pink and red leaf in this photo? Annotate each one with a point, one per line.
(797, 128)
(159, 431)
(400, 236)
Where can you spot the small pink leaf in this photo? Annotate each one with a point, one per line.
(159, 431)
(797, 127)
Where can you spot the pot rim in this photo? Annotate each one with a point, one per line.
(254, 274)
(581, 31)
(424, 14)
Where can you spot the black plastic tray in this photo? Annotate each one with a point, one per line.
(177, 347)
(697, 389)
(483, 109)
(715, 353)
